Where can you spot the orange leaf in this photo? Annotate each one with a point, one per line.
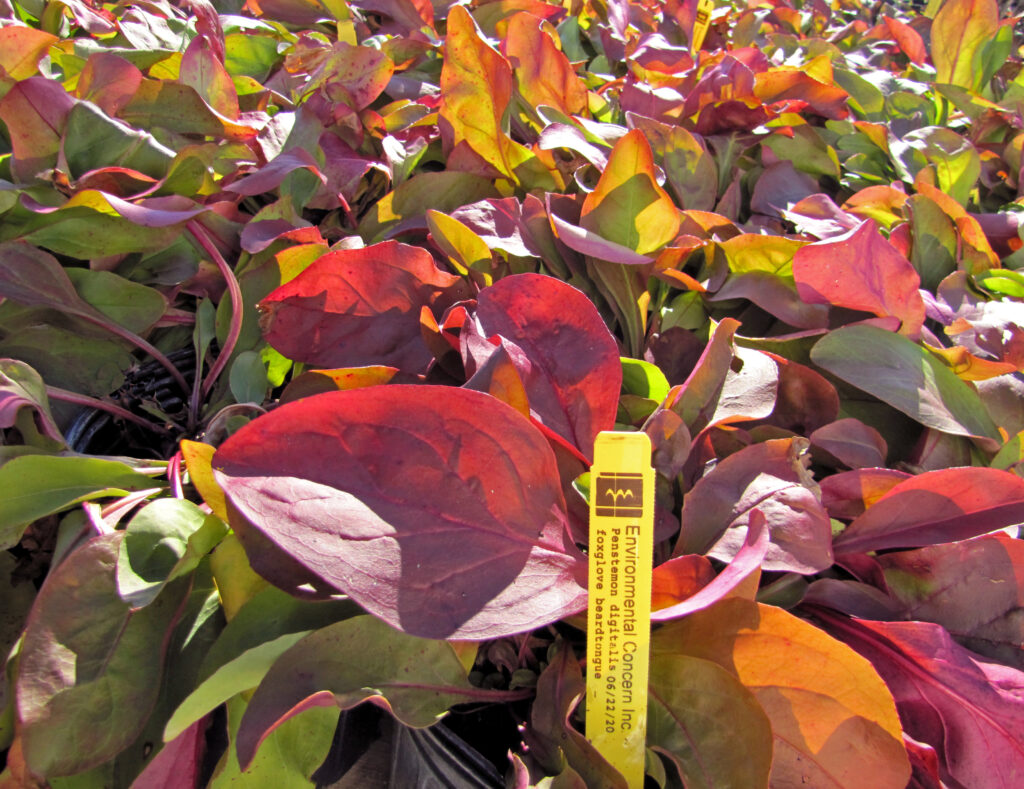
(21, 48)
(543, 73)
(969, 367)
(833, 719)
(314, 382)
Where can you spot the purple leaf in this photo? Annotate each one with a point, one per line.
(973, 588)
(270, 176)
(969, 711)
(768, 478)
(500, 223)
(437, 509)
(852, 443)
(746, 561)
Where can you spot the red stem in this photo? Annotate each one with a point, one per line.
(235, 292)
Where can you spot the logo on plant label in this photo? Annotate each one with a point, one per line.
(620, 495)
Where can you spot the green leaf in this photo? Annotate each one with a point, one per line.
(38, 485)
(250, 55)
(695, 710)
(954, 160)
(248, 378)
(87, 226)
(689, 168)
(65, 351)
(289, 756)
(166, 540)
(1005, 282)
(134, 306)
(644, 379)
(243, 673)
(88, 658)
(270, 613)
(442, 191)
(92, 140)
(352, 661)
(464, 248)
(907, 377)
(752, 252)
(934, 251)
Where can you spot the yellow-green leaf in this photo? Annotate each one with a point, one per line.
(960, 31)
(628, 206)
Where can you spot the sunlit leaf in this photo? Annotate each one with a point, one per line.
(906, 376)
(832, 717)
(493, 558)
(958, 34)
(628, 206)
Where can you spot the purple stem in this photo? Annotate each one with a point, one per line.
(235, 291)
(138, 342)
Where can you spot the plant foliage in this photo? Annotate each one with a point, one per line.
(311, 311)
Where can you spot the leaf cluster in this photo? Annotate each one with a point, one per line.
(311, 311)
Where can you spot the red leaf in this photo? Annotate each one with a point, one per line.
(970, 711)
(179, 763)
(572, 375)
(860, 270)
(437, 509)
(806, 400)
(357, 307)
(935, 507)
(848, 493)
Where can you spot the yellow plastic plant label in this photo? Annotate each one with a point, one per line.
(619, 611)
(701, 24)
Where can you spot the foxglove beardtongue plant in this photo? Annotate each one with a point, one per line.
(310, 314)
